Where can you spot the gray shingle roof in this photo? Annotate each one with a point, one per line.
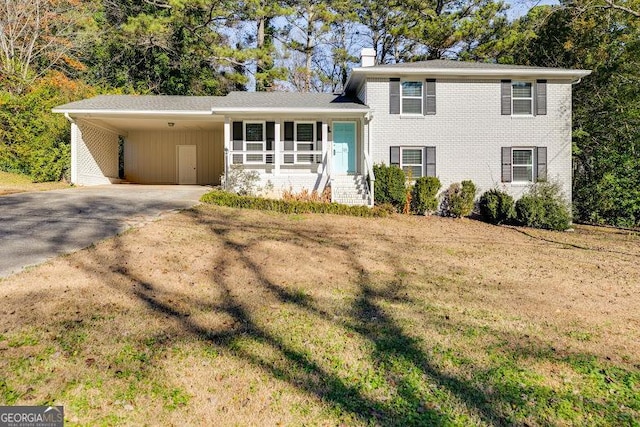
(288, 100)
(235, 101)
(458, 65)
(142, 103)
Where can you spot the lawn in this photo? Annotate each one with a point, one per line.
(16, 183)
(219, 316)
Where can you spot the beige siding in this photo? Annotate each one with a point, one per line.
(151, 156)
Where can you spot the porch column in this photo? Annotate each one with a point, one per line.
(74, 153)
(326, 153)
(276, 148)
(227, 145)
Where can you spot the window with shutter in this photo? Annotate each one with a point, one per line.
(305, 139)
(522, 97)
(411, 99)
(254, 140)
(522, 164)
(411, 162)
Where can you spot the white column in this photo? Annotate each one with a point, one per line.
(227, 145)
(276, 148)
(74, 153)
(325, 148)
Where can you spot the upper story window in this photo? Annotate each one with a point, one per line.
(522, 98)
(411, 99)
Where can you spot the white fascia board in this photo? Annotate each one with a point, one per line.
(138, 113)
(448, 72)
(355, 111)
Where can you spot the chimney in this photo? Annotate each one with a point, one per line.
(367, 57)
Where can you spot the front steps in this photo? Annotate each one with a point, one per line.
(350, 190)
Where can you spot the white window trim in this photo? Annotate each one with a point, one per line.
(533, 91)
(313, 141)
(402, 164)
(245, 142)
(421, 97)
(513, 165)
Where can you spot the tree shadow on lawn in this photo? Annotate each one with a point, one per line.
(397, 356)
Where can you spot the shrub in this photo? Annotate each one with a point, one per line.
(390, 185)
(223, 198)
(240, 181)
(544, 206)
(496, 206)
(424, 193)
(306, 196)
(458, 199)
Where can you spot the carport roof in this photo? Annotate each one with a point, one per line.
(234, 102)
(165, 104)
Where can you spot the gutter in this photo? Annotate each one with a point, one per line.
(88, 113)
(269, 110)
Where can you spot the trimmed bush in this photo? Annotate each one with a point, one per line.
(458, 199)
(424, 194)
(223, 198)
(544, 206)
(496, 206)
(390, 185)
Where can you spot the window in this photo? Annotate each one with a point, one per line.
(411, 162)
(305, 140)
(254, 140)
(522, 165)
(522, 98)
(411, 98)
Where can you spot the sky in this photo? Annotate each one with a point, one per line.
(521, 7)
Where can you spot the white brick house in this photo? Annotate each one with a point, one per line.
(500, 126)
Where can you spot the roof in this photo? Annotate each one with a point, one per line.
(452, 68)
(165, 104)
(286, 101)
(266, 102)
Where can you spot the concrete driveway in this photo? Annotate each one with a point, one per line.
(35, 227)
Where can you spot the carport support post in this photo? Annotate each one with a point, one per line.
(276, 148)
(227, 147)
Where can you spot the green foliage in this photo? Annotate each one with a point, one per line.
(458, 199)
(390, 185)
(496, 206)
(606, 113)
(222, 198)
(544, 206)
(423, 197)
(33, 140)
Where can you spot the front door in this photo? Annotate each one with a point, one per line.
(344, 147)
(187, 173)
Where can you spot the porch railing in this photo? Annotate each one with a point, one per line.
(282, 158)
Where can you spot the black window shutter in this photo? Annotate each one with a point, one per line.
(505, 96)
(288, 131)
(394, 157)
(271, 134)
(394, 96)
(541, 164)
(430, 97)
(506, 164)
(237, 136)
(541, 97)
(237, 131)
(430, 161)
(318, 131)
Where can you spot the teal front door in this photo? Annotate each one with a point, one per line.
(344, 147)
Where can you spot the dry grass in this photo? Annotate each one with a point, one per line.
(236, 317)
(16, 183)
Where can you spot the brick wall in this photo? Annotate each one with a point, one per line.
(468, 131)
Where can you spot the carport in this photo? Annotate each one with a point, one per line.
(145, 140)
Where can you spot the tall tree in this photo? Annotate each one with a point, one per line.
(37, 36)
(606, 115)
